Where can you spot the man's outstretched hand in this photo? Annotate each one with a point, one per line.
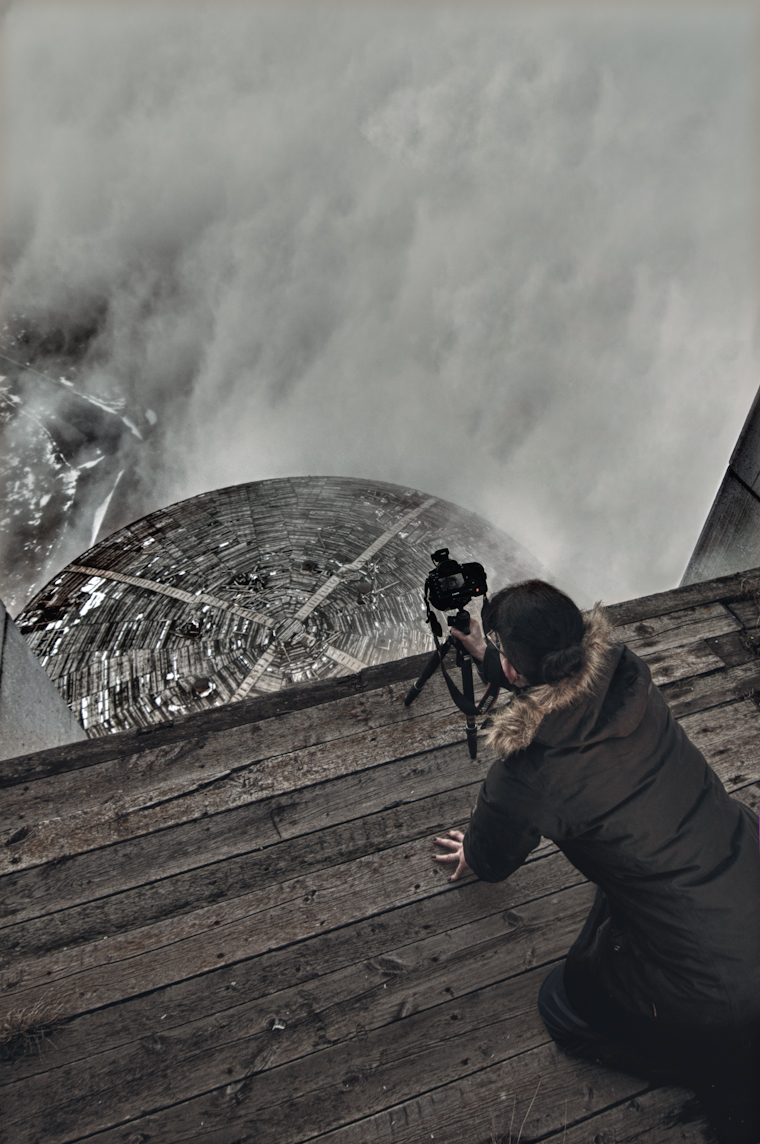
(454, 844)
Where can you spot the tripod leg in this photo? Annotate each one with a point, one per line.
(469, 693)
(430, 667)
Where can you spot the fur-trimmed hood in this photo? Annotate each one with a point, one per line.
(515, 726)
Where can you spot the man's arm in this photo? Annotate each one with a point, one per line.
(503, 828)
(497, 846)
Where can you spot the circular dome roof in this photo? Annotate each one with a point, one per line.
(248, 589)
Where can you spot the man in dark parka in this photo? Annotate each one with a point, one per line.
(664, 979)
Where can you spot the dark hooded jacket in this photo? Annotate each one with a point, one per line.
(597, 763)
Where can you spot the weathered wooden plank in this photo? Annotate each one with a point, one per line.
(383, 989)
(39, 890)
(722, 588)
(656, 1116)
(537, 1088)
(257, 740)
(402, 933)
(373, 1070)
(102, 972)
(686, 626)
(117, 913)
(120, 801)
(701, 692)
(747, 612)
(733, 649)
(729, 738)
(677, 662)
(549, 1094)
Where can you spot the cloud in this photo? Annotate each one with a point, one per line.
(498, 253)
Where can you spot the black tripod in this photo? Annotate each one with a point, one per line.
(465, 699)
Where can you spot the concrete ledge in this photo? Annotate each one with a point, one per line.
(33, 716)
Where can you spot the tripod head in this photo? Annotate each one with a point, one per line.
(461, 621)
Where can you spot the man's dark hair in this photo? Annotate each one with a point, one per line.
(540, 630)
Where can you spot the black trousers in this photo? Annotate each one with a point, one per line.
(724, 1074)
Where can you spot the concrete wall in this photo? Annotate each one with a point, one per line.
(32, 714)
(730, 539)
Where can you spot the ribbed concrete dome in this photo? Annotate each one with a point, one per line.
(249, 589)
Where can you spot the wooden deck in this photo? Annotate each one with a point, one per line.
(239, 923)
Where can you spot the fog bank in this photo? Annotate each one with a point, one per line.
(502, 254)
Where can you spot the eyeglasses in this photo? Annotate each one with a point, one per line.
(493, 639)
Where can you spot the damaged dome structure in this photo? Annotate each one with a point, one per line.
(249, 589)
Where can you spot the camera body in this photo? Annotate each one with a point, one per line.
(451, 585)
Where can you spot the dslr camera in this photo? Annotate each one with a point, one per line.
(451, 585)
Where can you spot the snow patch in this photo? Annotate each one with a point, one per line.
(132, 427)
(100, 512)
(94, 600)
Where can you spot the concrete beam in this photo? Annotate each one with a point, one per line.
(730, 539)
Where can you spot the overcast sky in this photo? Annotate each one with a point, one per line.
(504, 254)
